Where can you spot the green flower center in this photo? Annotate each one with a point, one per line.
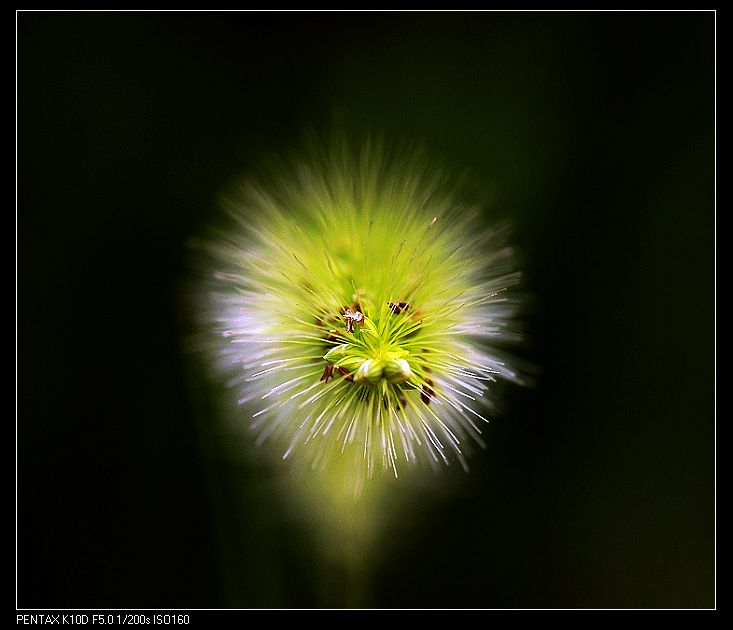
(381, 349)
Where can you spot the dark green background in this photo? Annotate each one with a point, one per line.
(593, 132)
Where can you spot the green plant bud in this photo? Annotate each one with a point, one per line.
(397, 370)
(336, 354)
(371, 371)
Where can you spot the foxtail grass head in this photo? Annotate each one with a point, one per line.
(359, 311)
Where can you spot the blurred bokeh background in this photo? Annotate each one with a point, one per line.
(592, 132)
